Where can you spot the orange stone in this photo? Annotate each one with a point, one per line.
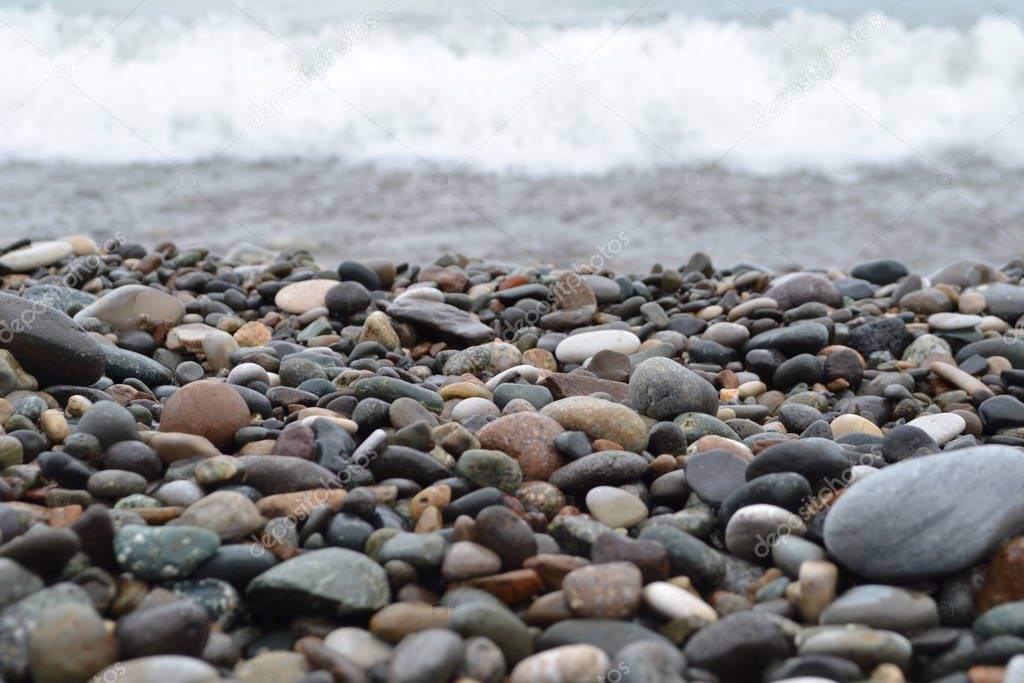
(158, 516)
(514, 280)
(986, 674)
(511, 587)
(300, 504)
(436, 496)
(65, 516)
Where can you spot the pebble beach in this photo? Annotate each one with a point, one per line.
(260, 466)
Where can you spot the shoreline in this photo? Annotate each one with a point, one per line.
(781, 221)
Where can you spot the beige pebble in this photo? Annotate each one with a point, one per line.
(996, 365)
(78, 405)
(853, 424)
(755, 388)
(54, 425)
(958, 377)
(972, 303)
(710, 442)
(710, 313)
(817, 582)
(566, 664)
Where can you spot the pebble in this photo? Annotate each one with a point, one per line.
(883, 607)
(676, 603)
(48, 344)
(865, 647)
(78, 634)
(529, 438)
(467, 560)
(615, 507)
(342, 581)
(228, 514)
(362, 647)
(603, 591)
(874, 529)
(163, 552)
(566, 664)
(754, 529)
(579, 347)
(168, 668)
(662, 389)
(134, 307)
(737, 647)
(599, 419)
(206, 408)
(606, 467)
(652, 477)
(35, 255)
(715, 474)
(299, 297)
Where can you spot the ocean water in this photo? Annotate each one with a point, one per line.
(783, 133)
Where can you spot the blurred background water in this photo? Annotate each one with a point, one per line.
(783, 133)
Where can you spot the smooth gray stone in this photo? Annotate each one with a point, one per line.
(929, 516)
(883, 607)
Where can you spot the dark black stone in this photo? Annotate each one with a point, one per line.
(884, 334)
(359, 272)
(1000, 412)
(348, 531)
(880, 271)
(905, 441)
(347, 298)
(787, 490)
(820, 461)
(738, 647)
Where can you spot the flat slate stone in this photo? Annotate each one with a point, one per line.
(563, 385)
(443, 319)
(792, 341)
(603, 468)
(929, 516)
(334, 580)
(609, 635)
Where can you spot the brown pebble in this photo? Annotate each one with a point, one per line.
(552, 569)
(986, 674)
(397, 620)
(663, 464)
(207, 408)
(547, 609)
(603, 591)
(1004, 580)
(300, 503)
(158, 516)
(511, 587)
(320, 657)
